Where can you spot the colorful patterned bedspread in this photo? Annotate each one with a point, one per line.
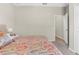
(30, 45)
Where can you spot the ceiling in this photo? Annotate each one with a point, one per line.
(42, 4)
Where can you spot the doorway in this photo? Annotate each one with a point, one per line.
(62, 28)
(66, 29)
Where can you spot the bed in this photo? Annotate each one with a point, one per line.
(30, 45)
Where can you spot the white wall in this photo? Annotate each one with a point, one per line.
(36, 21)
(7, 14)
(59, 24)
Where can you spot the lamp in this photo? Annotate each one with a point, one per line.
(10, 30)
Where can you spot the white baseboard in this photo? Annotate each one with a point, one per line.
(72, 50)
(60, 37)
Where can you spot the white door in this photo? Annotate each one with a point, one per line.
(76, 28)
(66, 28)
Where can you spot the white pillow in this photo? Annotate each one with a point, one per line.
(5, 40)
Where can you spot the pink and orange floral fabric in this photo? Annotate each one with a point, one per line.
(30, 45)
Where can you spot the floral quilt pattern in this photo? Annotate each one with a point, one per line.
(30, 45)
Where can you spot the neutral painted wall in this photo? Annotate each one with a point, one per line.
(7, 15)
(36, 20)
(33, 20)
(59, 25)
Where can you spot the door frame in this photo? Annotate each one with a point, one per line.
(67, 31)
(67, 28)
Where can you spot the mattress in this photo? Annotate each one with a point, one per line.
(30, 45)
